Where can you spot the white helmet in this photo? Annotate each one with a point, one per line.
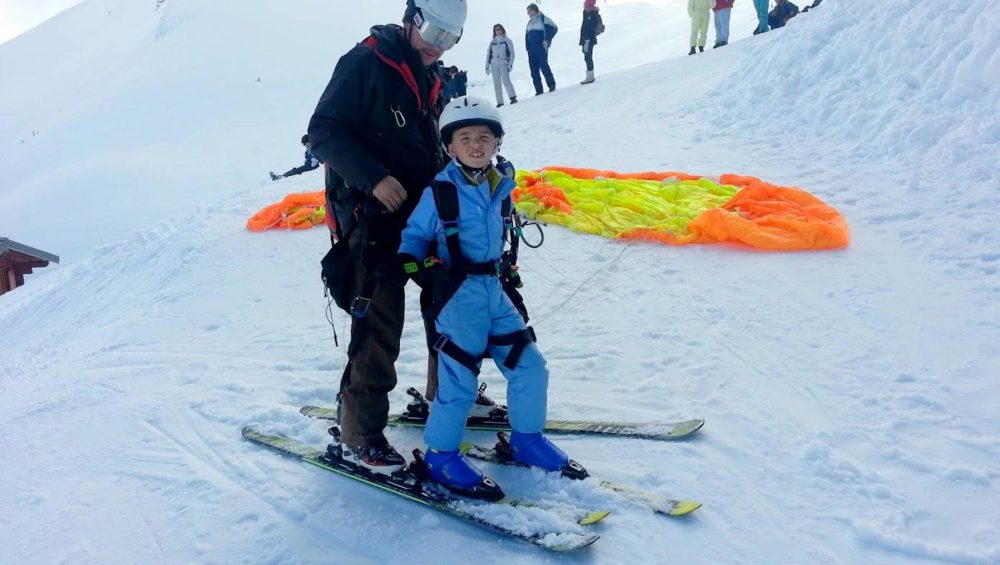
(440, 22)
(469, 111)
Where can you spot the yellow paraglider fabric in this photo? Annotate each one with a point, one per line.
(680, 208)
(295, 212)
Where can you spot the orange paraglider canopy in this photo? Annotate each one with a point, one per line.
(680, 208)
(295, 212)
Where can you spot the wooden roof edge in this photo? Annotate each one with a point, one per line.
(6, 244)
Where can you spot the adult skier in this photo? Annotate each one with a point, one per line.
(381, 149)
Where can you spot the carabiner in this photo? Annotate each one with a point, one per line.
(398, 114)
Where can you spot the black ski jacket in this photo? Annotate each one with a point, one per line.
(378, 117)
(588, 29)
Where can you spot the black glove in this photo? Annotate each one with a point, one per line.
(505, 167)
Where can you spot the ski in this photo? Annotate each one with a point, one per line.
(655, 502)
(534, 527)
(582, 516)
(664, 431)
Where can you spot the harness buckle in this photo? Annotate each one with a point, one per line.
(359, 306)
(442, 340)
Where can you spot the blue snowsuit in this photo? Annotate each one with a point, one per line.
(478, 309)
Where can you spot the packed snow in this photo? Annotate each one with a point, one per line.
(850, 396)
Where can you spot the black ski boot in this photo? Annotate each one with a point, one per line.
(513, 99)
(701, 48)
(379, 457)
(692, 51)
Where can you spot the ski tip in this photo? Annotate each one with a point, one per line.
(567, 542)
(307, 409)
(594, 517)
(685, 429)
(684, 508)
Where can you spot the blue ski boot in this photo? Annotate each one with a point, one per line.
(537, 451)
(452, 470)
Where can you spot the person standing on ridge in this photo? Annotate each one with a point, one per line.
(700, 12)
(760, 6)
(500, 62)
(311, 163)
(591, 27)
(722, 9)
(537, 40)
(381, 150)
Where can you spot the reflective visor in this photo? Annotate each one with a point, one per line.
(433, 34)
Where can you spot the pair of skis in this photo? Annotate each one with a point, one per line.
(557, 527)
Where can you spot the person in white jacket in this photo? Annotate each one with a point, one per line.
(700, 12)
(499, 62)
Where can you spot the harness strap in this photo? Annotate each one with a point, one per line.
(448, 347)
(519, 340)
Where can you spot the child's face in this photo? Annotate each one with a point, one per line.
(474, 146)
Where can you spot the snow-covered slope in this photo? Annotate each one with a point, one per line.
(850, 396)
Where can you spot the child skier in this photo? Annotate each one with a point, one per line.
(463, 215)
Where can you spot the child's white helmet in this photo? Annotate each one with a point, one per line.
(469, 111)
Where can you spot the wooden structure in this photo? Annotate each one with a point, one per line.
(17, 260)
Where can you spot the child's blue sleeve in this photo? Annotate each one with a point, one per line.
(422, 227)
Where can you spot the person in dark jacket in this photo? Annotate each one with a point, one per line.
(538, 37)
(783, 11)
(311, 163)
(592, 24)
(458, 83)
(381, 149)
(454, 83)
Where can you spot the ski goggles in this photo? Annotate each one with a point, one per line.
(433, 34)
